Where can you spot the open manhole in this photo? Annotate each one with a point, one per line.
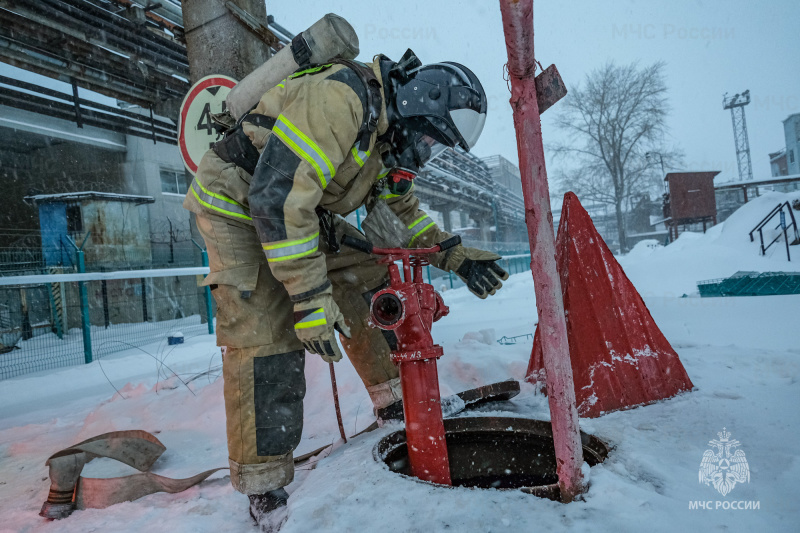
(496, 453)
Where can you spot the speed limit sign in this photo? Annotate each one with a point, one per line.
(196, 132)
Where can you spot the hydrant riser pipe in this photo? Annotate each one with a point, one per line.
(427, 448)
(518, 27)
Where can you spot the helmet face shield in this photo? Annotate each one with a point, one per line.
(469, 124)
(436, 148)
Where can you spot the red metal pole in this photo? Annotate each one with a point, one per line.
(518, 29)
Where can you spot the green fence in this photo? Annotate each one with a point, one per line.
(56, 320)
(752, 284)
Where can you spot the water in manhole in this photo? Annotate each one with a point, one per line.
(495, 452)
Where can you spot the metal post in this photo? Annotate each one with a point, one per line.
(209, 308)
(144, 300)
(785, 235)
(358, 218)
(104, 292)
(518, 28)
(86, 325)
(428, 268)
(56, 316)
(76, 103)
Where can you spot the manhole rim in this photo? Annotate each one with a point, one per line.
(597, 449)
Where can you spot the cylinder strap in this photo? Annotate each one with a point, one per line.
(301, 51)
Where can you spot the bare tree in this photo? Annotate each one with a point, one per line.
(613, 119)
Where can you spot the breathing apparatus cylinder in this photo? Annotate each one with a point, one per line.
(329, 37)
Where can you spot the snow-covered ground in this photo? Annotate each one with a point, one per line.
(741, 353)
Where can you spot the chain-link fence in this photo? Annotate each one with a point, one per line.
(516, 258)
(47, 322)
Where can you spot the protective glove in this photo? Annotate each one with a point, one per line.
(477, 268)
(314, 322)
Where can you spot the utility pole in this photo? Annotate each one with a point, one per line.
(219, 39)
(736, 104)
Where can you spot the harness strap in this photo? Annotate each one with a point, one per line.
(372, 105)
(237, 148)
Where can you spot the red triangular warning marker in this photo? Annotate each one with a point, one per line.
(620, 359)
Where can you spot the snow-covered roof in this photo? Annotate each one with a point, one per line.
(88, 195)
(750, 183)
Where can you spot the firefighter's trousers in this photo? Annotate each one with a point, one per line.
(263, 365)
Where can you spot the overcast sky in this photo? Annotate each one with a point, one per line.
(711, 47)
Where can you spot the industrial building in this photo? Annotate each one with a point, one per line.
(99, 115)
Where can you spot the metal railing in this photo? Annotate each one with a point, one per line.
(777, 211)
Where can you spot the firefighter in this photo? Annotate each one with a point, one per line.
(269, 200)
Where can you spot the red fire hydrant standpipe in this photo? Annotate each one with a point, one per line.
(518, 29)
(409, 307)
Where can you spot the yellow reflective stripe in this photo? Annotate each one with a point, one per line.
(283, 251)
(304, 325)
(359, 156)
(293, 256)
(305, 148)
(420, 219)
(215, 195)
(208, 204)
(290, 243)
(383, 173)
(420, 232)
(281, 84)
(317, 318)
(311, 70)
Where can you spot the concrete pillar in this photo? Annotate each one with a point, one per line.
(485, 224)
(218, 43)
(464, 219)
(448, 222)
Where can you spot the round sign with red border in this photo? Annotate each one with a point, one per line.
(196, 132)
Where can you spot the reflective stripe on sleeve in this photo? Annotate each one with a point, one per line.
(317, 318)
(420, 226)
(283, 251)
(359, 156)
(305, 148)
(219, 203)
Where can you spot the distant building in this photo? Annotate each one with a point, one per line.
(504, 172)
(791, 132)
(116, 229)
(784, 169)
(47, 153)
(777, 163)
(690, 202)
